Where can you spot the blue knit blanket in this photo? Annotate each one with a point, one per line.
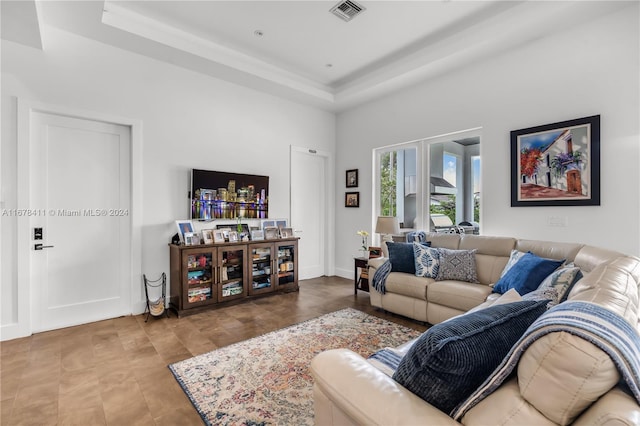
(605, 329)
(380, 277)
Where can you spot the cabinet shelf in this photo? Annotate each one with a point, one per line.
(191, 284)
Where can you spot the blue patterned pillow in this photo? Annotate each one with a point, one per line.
(557, 284)
(402, 258)
(527, 274)
(427, 260)
(459, 265)
(451, 359)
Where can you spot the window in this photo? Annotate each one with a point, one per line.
(397, 181)
(475, 184)
(436, 176)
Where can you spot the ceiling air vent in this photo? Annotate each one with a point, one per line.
(347, 10)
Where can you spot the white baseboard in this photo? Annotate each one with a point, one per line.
(344, 273)
(13, 331)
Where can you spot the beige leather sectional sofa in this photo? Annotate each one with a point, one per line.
(560, 379)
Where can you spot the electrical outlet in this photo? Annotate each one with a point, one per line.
(558, 221)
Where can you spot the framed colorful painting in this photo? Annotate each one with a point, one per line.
(556, 164)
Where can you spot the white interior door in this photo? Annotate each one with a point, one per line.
(80, 194)
(308, 210)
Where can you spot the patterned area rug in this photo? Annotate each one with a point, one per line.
(266, 380)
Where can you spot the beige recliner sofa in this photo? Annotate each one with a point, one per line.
(560, 379)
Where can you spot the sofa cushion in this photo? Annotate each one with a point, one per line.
(526, 274)
(444, 366)
(457, 265)
(561, 375)
(458, 295)
(427, 260)
(509, 297)
(407, 285)
(402, 258)
(556, 286)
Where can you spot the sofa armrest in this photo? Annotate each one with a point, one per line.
(376, 262)
(365, 395)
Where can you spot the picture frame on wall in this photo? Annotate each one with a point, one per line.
(352, 199)
(352, 178)
(556, 164)
(184, 226)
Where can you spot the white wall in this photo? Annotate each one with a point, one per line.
(189, 121)
(586, 70)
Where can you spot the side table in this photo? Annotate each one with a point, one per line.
(361, 274)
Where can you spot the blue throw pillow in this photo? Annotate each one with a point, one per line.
(427, 260)
(451, 359)
(402, 258)
(526, 274)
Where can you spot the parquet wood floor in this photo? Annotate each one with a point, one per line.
(114, 372)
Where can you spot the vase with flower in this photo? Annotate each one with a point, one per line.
(364, 247)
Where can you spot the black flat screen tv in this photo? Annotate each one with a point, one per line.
(224, 195)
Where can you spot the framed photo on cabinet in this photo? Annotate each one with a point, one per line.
(191, 239)
(218, 236)
(184, 226)
(271, 233)
(207, 236)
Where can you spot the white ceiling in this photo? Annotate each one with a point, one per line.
(390, 45)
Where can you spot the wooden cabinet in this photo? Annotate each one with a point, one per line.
(274, 266)
(287, 262)
(209, 275)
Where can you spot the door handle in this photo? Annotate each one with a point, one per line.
(40, 247)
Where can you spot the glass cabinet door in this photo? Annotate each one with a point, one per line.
(231, 275)
(261, 256)
(200, 288)
(287, 265)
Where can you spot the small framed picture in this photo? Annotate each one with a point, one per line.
(225, 231)
(352, 178)
(184, 226)
(257, 235)
(207, 236)
(286, 233)
(191, 239)
(375, 252)
(233, 236)
(218, 236)
(352, 199)
(271, 233)
(267, 223)
(281, 223)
